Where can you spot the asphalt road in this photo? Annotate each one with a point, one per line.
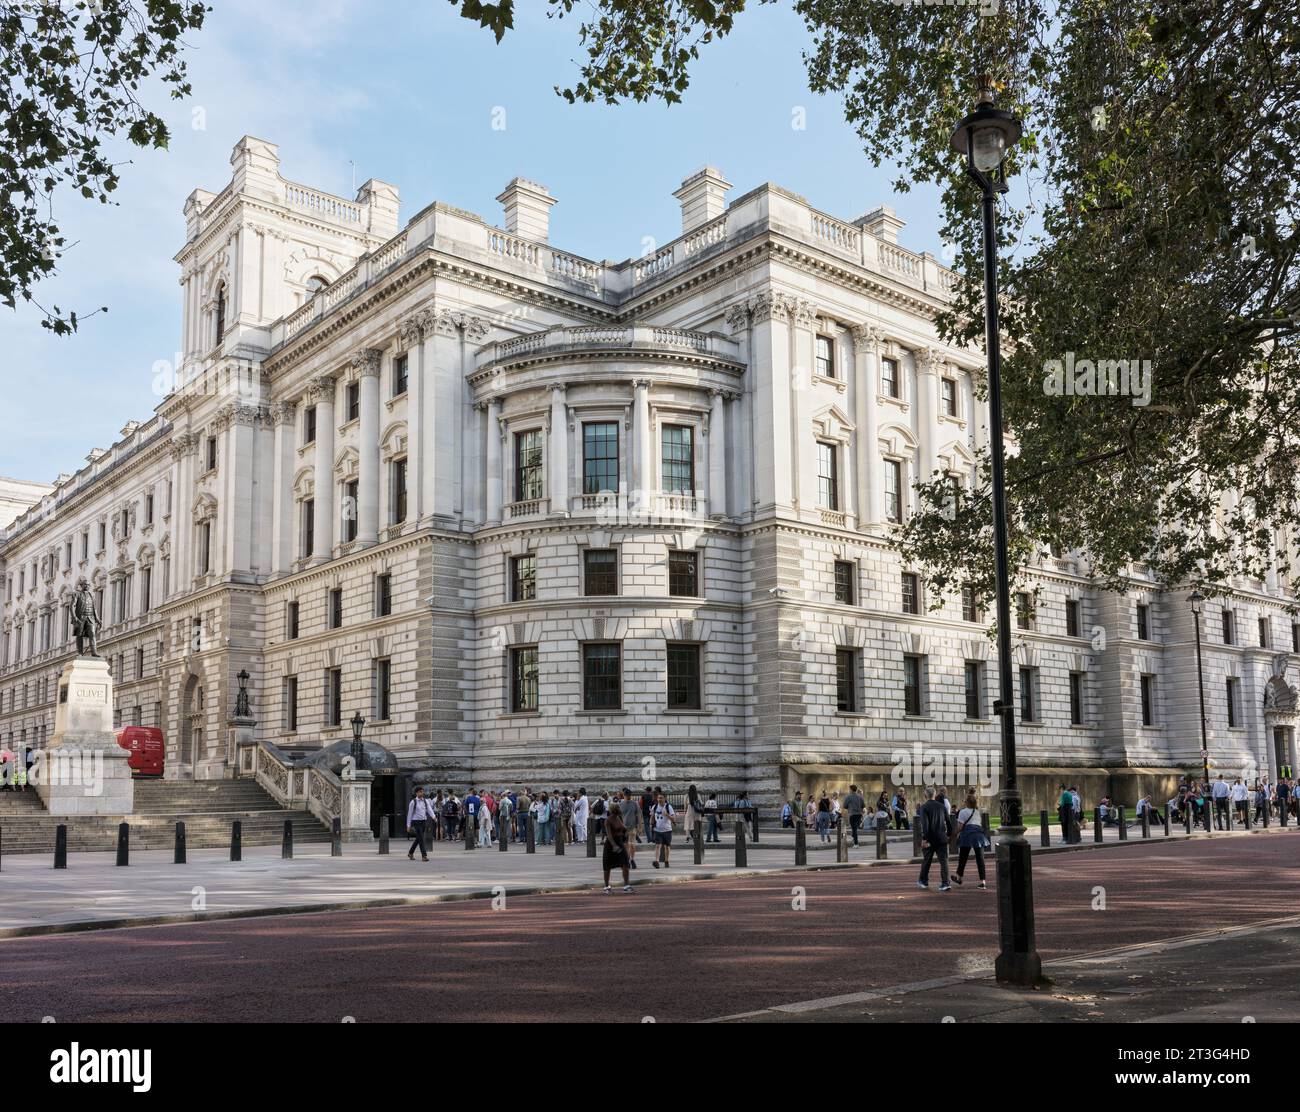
(675, 952)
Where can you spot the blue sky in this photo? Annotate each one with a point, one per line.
(406, 90)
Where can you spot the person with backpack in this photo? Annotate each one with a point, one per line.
(971, 836)
(711, 810)
(934, 823)
(450, 815)
(615, 852)
(661, 816)
(418, 814)
(599, 814)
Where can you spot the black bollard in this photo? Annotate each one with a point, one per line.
(469, 832)
(916, 833)
(1044, 829)
(530, 842)
(800, 841)
(383, 836)
(742, 858)
(754, 818)
(336, 838)
(841, 846)
(60, 846)
(1098, 832)
(1281, 813)
(1266, 814)
(1146, 822)
(697, 842)
(178, 858)
(987, 823)
(1187, 816)
(123, 844)
(286, 842)
(882, 840)
(591, 837)
(503, 835)
(1123, 826)
(559, 839)
(1166, 820)
(236, 841)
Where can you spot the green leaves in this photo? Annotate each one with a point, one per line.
(69, 73)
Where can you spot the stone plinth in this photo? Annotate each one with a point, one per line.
(354, 806)
(84, 771)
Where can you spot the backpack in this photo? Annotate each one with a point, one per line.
(598, 808)
(449, 808)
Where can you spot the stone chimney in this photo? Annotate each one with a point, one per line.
(528, 209)
(881, 223)
(703, 196)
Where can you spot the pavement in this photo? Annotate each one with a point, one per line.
(94, 893)
(817, 939)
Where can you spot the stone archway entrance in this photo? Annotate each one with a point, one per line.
(191, 724)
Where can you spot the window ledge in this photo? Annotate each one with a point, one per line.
(686, 710)
(600, 713)
(520, 714)
(919, 717)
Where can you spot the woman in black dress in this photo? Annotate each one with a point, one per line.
(615, 851)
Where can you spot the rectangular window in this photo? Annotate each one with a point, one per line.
(1148, 688)
(825, 357)
(683, 676)
(309, 425)
(383, 689)
(397, 492)
(352, 401)
(970, 605)
(523, 679)
(212, 453)
(146, 589)
(678, 464)
(893, 491)
(602, 686)
(911, 593)
(383, 595)
(1024, 610)
(1143, 622)
(103, 539)
(528, 465)
(290, 702)
(913, 685)
(148, 512)
(307, 540)
(334, 608)
(846, 681)
(523, 578)
(334, 697)
(1076, 698)
(974, 689)
(684, 574)
(889, 382)
(948, 397)
(400, 375)
(205, 548)
(1072, 625)
(85, 544)
(1028, 694)
(139, 664)
(1229, 628)
(1234, 701)
(599, 457)
(1263, 633)
(348, 495)
(1295, 637)
(600, 571)
(845, 575)
(828, 478)
(291, 621)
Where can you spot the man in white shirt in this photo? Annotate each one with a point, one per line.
(418, 814)
(661, 820)
(1241, 801)
(581, 808)
(1220, 793)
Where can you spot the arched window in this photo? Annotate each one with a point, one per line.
(315, 284)
(221, 311)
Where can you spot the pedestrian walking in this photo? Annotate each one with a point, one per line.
(629, 810)
(971, 838)
(902, 821)
(486, 825)
(853, 806)
(1220, 793)
(694, 811)
(711, 810)
(662, 816)
(824, 818)
(615, 852)
(935, 829)
(1065, 812)
(418, 814)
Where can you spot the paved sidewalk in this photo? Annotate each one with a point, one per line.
(94, 893)
(1220, 976)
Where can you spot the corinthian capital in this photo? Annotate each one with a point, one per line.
(866, 336)
(321, 388)
(930, 361)
(366, 361)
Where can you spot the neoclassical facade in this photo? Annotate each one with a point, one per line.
(547, 520)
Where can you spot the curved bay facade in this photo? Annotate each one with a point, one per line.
(547, 520)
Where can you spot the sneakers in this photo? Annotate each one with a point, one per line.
(655, 863)
(608, 890)
(956, 880)
(981, 884)
(666, 865)
(945, 888)
(922, 884)
(632, 863)
(627, 888)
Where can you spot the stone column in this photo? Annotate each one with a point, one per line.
(928, 367)
(770, 389)
(495, 434)
(322, 393)
(239, 510)
(643, 483)
(866, 386)
(181, 493)
(803, 474)
(285, 416)
(367, 364)
(717, 456)
(740, 474)
(558, 448)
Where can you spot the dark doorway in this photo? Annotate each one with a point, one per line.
(383, 801)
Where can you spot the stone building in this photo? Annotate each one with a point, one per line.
(544, 519)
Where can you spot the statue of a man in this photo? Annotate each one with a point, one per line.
(85, 619)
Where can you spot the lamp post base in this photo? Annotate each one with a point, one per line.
(1018, 963)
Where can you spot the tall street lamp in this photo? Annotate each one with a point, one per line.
(1198, 600)
(358, 751)
(984, 137)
